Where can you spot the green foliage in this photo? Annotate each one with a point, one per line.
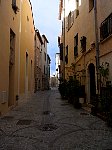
(106, 103)
(70, 90)
(63, 88)
(104, 73)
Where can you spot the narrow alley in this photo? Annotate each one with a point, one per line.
(45, 122)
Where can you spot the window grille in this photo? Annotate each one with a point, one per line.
(106, 28)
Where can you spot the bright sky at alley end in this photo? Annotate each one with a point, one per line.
(45, 14)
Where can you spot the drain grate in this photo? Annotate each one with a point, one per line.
(48, 127)
(58, 98)
(7, 118)
(83, 113)
(24, 122)
(64, 104)
(46, 112)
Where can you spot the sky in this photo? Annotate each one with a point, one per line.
(45, 14)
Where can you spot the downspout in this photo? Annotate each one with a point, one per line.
(64, 41)
(19, 50)
(97, 47)
(35, 63)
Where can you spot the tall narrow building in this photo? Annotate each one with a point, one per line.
(38, 61)
(44, 62)
(10, 15)
(26, 78)
(85, 43)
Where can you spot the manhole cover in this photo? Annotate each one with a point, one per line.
(64, 104)
(46, 112)
(48, 127)
(8, 118)
(83, 113)
(24, 122)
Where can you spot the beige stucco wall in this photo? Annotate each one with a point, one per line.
(84, 26)
(23, 28)
(104, 11)
(27, 46)
(10, 20)
(38, 62)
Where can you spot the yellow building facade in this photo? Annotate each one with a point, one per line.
(78, 41)
(26, 78)
(9, 51)
(16, 52)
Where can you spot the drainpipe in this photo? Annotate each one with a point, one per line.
(64, 41)
(19, 49)
(97, 47)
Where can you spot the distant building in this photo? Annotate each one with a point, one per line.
(53, 81)
(57, 74)
(48, 71)
(38, 61)
(44, 63)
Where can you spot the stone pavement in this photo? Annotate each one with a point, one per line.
(45, 122)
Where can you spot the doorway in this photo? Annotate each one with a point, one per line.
(26, 76)
(11, 68)
(92, 83)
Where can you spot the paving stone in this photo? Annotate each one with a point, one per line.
(64, 127)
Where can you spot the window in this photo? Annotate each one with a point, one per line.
(61, 51)
(70, 20)
(14, 7)
(66, 59)
(76, 45)
(13, 2)
(62, 27)
(27, 18)
(106, 28)
(67, 50)
(77, 12)
(45, 56)
(59, 68)
(77, 8)
(83, 44)
(44, 69)
(91, 4)
(44, 43)
(66, 56)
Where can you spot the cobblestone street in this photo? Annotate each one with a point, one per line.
(45, 122)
